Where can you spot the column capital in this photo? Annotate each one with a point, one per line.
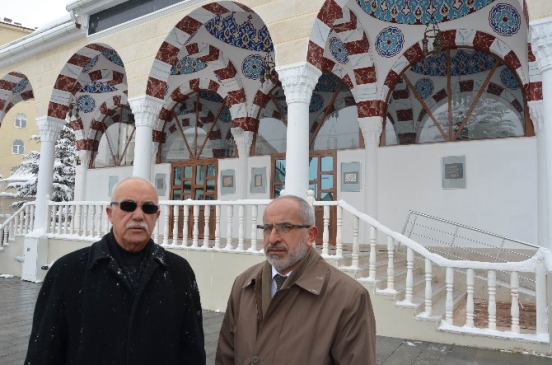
(536, 110)
(243, 140)
(541, 39)
(146, 109)
(371, 128)
(298, 81)
(49, 128)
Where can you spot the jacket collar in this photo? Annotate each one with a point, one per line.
(100, 251)
(310, 274)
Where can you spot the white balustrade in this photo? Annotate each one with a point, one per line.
(470, 281)
(390, 263)
(229, 212)
(176, 210)
(206, 233)
(185, 228)
(449, 285)
(372, 267)
(356, 249)
(195, 233)
(492, 299)
(428, 289)
(514, 291)
(166, 223)
(254, 212)
(409, 275)
(339, 233)
(326, 232)
(241, 239)
(217, 227)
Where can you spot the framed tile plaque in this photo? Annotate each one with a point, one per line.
(454, 172)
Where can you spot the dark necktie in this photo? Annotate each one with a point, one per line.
(279, 281)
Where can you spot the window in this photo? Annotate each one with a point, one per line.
(18, 147)
(20, 121)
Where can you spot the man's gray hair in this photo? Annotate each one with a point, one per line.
(306, 211)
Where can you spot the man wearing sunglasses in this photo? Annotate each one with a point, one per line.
(123, 300)
(295, 308)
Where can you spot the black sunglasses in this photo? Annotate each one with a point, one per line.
(130, 206)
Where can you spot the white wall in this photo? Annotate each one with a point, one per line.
(501, 180)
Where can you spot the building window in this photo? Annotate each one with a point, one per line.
(20, 121)
(18, 147)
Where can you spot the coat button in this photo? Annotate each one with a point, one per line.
(256, 360)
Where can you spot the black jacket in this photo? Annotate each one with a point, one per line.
(86, 313)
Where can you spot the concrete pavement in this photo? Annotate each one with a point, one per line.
(17, 300)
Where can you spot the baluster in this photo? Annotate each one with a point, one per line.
(32, 217)
(176, 211)
(166, 219)
(59, 219)
(254, 212)
(356, 249)
(492, 299)
(372, 269)
(326, 233)
(27, 217)
(240, 227)
(195, 238)
(409, 275)
(72, 219)
(16, 224)
(107, 223)
(52, 216)
(470, 280)
(428, 288)
(78, 219)
(91, 218)
(217, 227)
(99, 213)
(540, 293)
(449, 287)
(229, 212)
(390, 263)
(206, 215)
(66, 223)
(514, 284)
(6, 232)
(339, 233)
(84, 219)
(185, 224)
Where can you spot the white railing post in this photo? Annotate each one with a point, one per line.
(33, 208)
(409, 275)
(449, 305)
(372, 268)
(72, 216)
(356, 249)
(339, 233)
(541, 298)
(176, 211)
(240, 227)
(229, 212)
(254, 212)
(428, 288)
(514, 311)
(84, 219)
(470, 281)
(78, 219)
(99, 215)
(326, 232)
(185, 228)
(217, 227)
(16, 223)
(166, 225)
(195, 237)
(390, 263)
(206, 216)
(492, 299)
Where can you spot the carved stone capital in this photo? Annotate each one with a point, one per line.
(243, 140)
(298, 81)
(541, 39)
(536, 110)
(371, 128)
(49, 128)
(146, 110)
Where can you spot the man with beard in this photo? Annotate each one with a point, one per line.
(295, 308)
(123, 300)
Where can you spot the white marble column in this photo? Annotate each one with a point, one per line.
(146, 112)
(298, 82)
(371, 128)
(541, 34)
(536, 109)
(49, 129)
(243, 140)
(84, 157)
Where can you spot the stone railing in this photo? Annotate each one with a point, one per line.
(20, 222)
(232, 226)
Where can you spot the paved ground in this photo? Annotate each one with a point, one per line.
(17, 299)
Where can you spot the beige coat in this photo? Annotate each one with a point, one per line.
(320, 317)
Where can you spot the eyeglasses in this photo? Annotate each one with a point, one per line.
(281, 228)
(130, 206)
